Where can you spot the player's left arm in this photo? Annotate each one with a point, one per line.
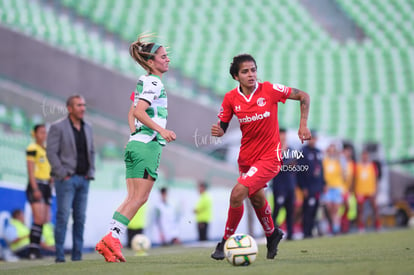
(303, 97)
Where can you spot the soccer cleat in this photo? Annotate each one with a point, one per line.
(218, 253)
(272, 243)
(114, 245)
(35, 256)
(102, 249)
(34, 253)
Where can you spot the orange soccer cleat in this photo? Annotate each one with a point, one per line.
(104, 251)
(110, 248)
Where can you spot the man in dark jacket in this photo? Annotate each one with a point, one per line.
(311, 182)
(283, 185)
(71, 154)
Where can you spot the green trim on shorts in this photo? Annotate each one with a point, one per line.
(142, 159)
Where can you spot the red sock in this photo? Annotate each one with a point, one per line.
(345, 222)
(233, 219)
(264, 215)
(377, 224)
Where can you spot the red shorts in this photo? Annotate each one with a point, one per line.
(256, 176)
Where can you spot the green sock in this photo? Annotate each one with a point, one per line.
(121, 218)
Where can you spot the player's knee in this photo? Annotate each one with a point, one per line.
(140, 201)
(37, 220)
(235, 201)
(143, 200)
(237, 197)
(136, 200)
(257, 202)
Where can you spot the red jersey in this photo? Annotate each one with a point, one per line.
(257, 115)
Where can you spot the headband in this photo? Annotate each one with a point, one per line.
(154, 48)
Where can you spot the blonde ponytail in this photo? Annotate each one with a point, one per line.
(142, 51)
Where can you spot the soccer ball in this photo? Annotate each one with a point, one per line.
(240, 249)
(140, 244)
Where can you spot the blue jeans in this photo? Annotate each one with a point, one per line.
(71, 194)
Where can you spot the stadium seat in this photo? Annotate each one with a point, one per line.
(4, 116)
(18, 120)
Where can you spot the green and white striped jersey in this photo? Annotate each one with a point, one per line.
(151, 89)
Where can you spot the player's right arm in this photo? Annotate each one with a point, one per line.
(53, 150)
(30, 156)
(143, 117)
(149, 93)
(225, 115)
(218, 130)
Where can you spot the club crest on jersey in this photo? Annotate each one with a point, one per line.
(237, 108)
(251, 171)
(261, 102)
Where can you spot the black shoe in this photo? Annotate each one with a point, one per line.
(273, 242)
(218, 254)
(35, 256)
(34, 253)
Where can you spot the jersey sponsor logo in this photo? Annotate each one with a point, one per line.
(261, 102)
(148, 92)
(256, 117)
(280, 88)
(237, 108)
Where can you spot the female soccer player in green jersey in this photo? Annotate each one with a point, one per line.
(147, 120)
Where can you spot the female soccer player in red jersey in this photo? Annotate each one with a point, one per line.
(255, 106)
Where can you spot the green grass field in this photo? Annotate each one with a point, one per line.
(372, 253)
